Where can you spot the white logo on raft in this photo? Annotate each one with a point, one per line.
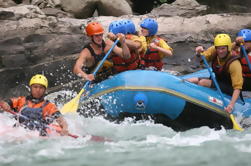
(215, 101)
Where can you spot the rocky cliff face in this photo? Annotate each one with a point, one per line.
(32, 41)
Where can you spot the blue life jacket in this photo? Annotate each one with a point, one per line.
(32, 118)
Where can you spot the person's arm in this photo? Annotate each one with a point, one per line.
(124, 51)
(77, 69)
(208, 53)
(4, 106)
(162, 47)
(138, 44)
(133, 45)
(199, 50)
(63, 124)
(51, 113)
(234, 98)
(164, 51)
(235, 71)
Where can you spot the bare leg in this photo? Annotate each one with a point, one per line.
(205, 82)
(194, 80)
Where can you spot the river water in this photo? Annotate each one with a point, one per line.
(135, 144)
(130, 144)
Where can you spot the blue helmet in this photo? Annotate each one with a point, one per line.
(151, 25)
(130, 27)
(245, 33)
(117, 27)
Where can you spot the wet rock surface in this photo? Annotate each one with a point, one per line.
(33, 42)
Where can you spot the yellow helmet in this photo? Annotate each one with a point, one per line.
(39, 79)
(223, 40)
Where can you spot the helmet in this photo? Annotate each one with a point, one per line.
(245, 33)
(130, 27)
(117, 27)
(39, 79)
(223, 40)
(151, 25)
(94, 28)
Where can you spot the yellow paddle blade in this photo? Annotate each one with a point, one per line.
(236, 126)
(72, 106)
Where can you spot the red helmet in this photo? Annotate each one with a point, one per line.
(94, 28)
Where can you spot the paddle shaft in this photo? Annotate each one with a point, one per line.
(25, 117)
(214, 80)
(246, 56)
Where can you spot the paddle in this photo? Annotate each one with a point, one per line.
(246, 56)
(72, 105)
(236, 126)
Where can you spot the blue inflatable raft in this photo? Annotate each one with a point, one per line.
(164, 98)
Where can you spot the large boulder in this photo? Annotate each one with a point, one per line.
(31, 42)
(7, 3)
(184, 8)
(46, 3)
(86, 8)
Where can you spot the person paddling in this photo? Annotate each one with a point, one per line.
(33, 111)
(157, 47)
(95, 51)
(226, 67)
(244, 37)
(136, 45)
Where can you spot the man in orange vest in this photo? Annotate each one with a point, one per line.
(33, 111)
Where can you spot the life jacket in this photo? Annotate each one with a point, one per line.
(246, 73)
(34, 115)
(120, 64)
(96, 57)
(244, 64)
(105, 70)
(221, 72)
(152, 57)
(32, 118)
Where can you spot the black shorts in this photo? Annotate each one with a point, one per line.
(246, 84)
(224, 87)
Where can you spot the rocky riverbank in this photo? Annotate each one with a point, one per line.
(33, 41)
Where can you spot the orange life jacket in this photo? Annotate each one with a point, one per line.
(34, 116)
(120, 64)
(152, 58)
(47, 108)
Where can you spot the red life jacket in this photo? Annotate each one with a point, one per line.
(120, 64)
(245, 69)
(152, 57)
(244, 64)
